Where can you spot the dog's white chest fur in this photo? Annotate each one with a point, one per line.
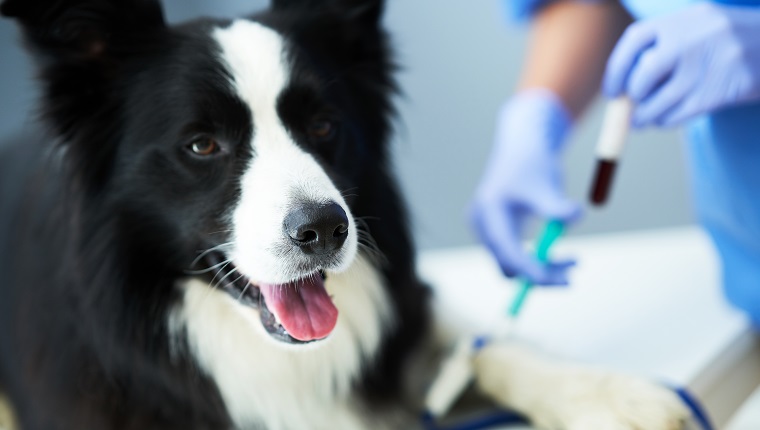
(263, 380)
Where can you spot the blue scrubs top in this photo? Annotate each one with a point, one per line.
(522, 9)
(724, 154)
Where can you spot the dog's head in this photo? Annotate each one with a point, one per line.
(237, 144)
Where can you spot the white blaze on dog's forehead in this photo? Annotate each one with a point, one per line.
(256, 58)
(281, 175)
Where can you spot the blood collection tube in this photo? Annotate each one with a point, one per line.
(617, 122)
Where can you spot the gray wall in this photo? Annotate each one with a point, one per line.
(460, 61)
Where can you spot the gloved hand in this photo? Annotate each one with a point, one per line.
(523, 180)
(697, 60)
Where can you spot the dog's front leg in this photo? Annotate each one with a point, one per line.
(560, 396)
(6, 414)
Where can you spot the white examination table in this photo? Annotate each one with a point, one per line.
(646, 302)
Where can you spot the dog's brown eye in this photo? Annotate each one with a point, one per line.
(204, 146)
(321, 129)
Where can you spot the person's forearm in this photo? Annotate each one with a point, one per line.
(570, 43)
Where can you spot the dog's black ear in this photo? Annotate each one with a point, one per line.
(84, 28)
(364, 11)
(368, 11)
(82, 47)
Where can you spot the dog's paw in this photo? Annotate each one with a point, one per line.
(587, 399)
(555, 395)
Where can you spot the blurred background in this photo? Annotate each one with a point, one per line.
(460, 61)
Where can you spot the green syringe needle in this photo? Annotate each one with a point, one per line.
(551, 233)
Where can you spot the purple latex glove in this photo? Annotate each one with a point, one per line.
(523, 180)
(699, 59)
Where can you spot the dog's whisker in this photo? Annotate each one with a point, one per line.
(218, 284)
(247, 286)
(210, 268)
(219, 272)
(372, 253)
(363, 219)
(367, 243)
(208, 251)
(229, 230)
(234, 280)
(215, 286)
(349, 192)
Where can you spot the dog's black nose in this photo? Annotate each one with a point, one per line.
(317, 228)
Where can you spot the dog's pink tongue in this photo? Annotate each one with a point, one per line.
(302, 307)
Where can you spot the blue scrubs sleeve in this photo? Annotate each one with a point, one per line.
(724, 150)
(522, 10)
(643, 9)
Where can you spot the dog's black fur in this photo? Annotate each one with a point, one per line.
(100, 217)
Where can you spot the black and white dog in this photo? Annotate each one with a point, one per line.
(210, 236)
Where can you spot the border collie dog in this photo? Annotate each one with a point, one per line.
(207, 235)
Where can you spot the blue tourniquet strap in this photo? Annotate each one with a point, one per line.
(697, 411)
(502, 418)
(493, 419)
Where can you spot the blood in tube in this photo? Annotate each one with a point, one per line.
(605, 173)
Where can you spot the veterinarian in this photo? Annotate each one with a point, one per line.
(689, 63)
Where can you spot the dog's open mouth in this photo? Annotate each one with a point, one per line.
(300, 311)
